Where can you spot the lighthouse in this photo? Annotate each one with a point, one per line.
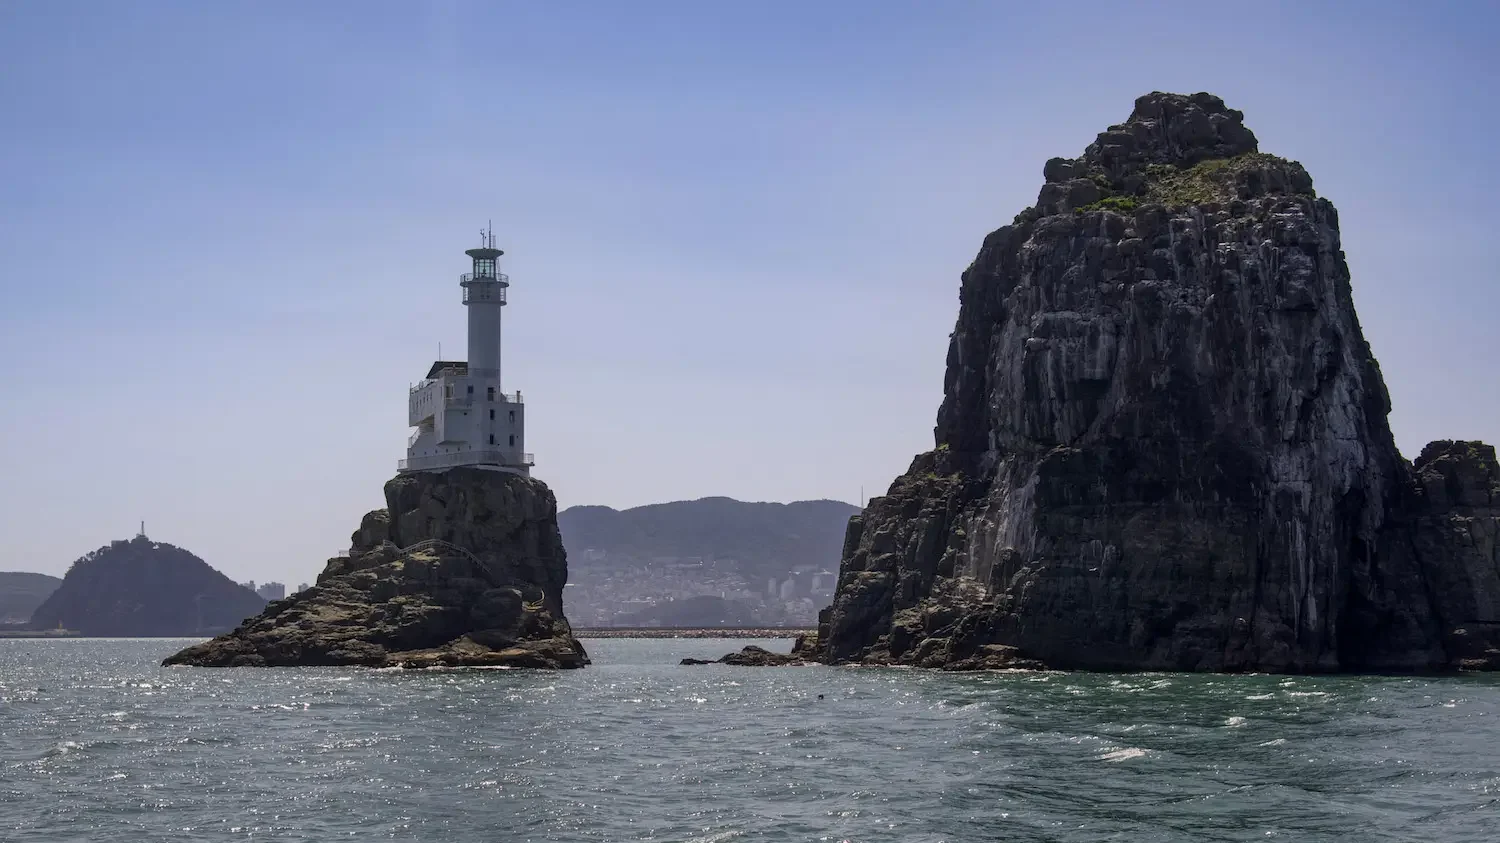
(461, 413)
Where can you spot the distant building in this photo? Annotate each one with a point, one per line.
(301, 587)
(250, 585)
(271, 591)
(788, 589)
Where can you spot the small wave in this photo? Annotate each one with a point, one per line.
(1235, 721)
(716, 837)
(1276, 742)
(1125, 754)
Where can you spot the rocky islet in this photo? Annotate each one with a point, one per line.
(1163, 444)
(463, 568)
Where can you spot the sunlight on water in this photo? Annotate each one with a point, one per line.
(100, 743)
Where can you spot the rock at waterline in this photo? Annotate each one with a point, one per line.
(804, 651)
(1163, 443)
(464, 567)
(753, 656)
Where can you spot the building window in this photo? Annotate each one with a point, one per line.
(513, 440)
(490, 393)
(492, 415)
(471, 389)
(484, 267)
(512, 416)
(492, 438)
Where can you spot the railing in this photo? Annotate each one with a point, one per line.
(469, 276)
(484, 294)
(449, 372)
(466, 399)
(468, 457)
(439, 544)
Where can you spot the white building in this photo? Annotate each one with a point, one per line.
(461, 414)
(788, 589)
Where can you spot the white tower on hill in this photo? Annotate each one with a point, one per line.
(460, 414)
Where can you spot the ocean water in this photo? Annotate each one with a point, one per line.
(99, 743)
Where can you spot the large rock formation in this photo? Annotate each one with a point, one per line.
(1163, 443)
(463, 567)
(142, 588)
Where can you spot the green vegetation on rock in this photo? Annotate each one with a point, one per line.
(1118, 204)
(1215, 181)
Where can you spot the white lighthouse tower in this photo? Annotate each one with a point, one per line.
(461, 414)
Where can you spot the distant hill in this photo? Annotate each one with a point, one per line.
(704, 611)
(145, 588)
(21, 593)
(765, 538)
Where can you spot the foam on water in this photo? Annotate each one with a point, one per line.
(101, 743)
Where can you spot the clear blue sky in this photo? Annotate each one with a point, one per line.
(230, 232)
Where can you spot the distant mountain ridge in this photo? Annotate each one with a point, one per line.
(21, 592)
(767, 538)
(145, 588)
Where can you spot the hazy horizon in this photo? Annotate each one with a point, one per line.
(231, 234)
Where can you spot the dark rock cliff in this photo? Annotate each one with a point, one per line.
(1163, 443)
(463, 567)
(142, 588)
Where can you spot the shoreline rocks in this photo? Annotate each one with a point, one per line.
(464, 568)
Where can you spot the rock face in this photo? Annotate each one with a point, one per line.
(463, 568)
(1163, 443)
(142, 588)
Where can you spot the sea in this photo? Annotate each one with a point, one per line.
(97, 742)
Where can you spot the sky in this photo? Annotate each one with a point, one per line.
(230, 233)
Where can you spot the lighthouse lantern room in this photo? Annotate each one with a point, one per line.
(461, 414)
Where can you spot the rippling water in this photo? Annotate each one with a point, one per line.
(99, 743)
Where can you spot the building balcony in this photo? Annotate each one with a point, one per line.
(475, 456)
